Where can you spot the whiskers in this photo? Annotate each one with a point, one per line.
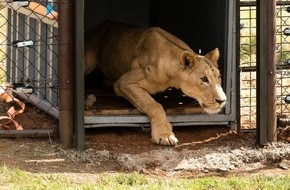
(194, 102)
(211, 106)
(226, 105)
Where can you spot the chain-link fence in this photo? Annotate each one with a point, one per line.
(28, 61)
(28, 64)
(248, 61)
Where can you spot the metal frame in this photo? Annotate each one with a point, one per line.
(229, 117)
(248, 67)
(79, 75)
(72, 125)
(69, 107)
(265, 69)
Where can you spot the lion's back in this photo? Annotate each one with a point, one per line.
(117, 48)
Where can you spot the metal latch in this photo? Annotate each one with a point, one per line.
(19, 44)
(19, 3)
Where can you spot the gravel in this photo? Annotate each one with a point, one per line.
(226, 158)
(207, 159)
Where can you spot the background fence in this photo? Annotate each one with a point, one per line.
(28, 59)
(248, 61)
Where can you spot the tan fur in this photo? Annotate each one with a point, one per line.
(140, 62)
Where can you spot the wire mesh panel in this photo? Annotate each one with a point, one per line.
(283, 57)
(248, 61)
(28, 58)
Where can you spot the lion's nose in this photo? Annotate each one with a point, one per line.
(219, 101)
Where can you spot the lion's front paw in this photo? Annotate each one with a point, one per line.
(163, 139)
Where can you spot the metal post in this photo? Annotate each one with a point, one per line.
(34, 133)
(79, 74)
(266, 71)
(65, 72)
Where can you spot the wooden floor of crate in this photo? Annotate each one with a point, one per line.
(172, 100)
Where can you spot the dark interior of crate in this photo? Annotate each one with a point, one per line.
(201, 24)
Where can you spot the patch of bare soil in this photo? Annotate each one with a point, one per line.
(202, 151)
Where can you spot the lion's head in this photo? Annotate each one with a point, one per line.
(201, 80)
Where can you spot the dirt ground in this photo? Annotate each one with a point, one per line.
(202, 151)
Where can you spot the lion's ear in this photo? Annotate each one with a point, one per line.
(189, 60)
(214, 56)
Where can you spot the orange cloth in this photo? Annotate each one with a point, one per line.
(40, 9)
(7, 97)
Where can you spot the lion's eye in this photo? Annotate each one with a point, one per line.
(204, 79)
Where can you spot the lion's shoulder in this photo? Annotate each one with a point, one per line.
(160, 35)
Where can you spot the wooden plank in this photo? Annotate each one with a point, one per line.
(126, 111)
(173, 101)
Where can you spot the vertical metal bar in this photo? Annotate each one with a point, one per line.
(65, 72)
(79, 74)
(14, 54)
(31, 54)
(237, 70)
(233, 43)
(229, 49)
(266, 71)
(42, 61)
(9, 50)
(54, 76)
(26, 35)
(49, 69)
(19, 62)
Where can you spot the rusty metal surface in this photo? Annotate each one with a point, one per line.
(65, 72)
(35, 133)
(266, 71)
(79, 75)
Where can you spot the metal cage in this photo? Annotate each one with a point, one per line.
(248, 65)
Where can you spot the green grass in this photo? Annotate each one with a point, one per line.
(13, 178)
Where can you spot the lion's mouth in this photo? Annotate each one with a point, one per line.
(212, 110)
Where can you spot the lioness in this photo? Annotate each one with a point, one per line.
(140, 62)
